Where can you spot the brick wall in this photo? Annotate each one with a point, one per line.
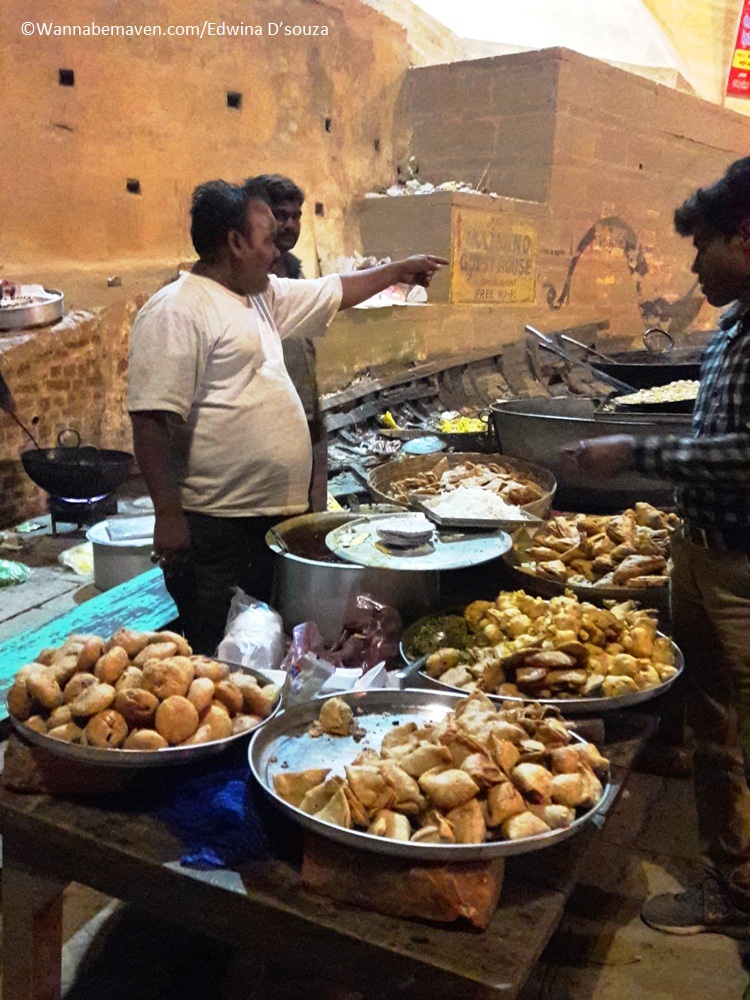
(72, 374)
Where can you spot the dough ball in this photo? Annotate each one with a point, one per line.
(132, 642)
(111, 665)
(203, 734)
(155, 651)
(183, 647)
(165, 679)
(92, 650)
(230, 696)
(93, 699)
(241, 723)
(137, 707)
(60, 716)
(69, 733)
(106, 729)
(44, 689)
(131, 677)
(47, 655)
(201, 693)
(37, 723)
(260, 701)
(206, 667)
(19, 700)
(176, 719)
(217, 719)
(145, 739)
(63, 668)
(77, 684)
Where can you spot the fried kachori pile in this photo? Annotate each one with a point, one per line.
(509, 484)
(136, 691)
(557, 648)
(478, 774)
(626, 550)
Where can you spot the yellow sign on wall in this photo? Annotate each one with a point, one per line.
(494, 258)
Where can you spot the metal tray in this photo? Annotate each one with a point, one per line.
(143, 758)
(284, 745)
(34, 313)
(357, 542)
(569, 706)
(480, 523)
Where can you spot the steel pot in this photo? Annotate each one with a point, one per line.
(536, 429)
(310, 584)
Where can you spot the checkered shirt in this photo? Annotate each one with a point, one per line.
(711, 470)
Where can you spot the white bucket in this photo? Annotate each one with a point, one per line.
(116, 561)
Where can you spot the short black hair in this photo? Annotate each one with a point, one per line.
(277, 188)
(217, 208)
(722, 207)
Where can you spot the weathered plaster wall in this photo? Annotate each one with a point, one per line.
(155, 109)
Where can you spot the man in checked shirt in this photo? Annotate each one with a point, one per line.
(710, 584)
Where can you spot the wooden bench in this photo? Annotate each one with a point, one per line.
(141, 603)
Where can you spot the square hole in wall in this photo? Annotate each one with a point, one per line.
(234, 99)
(66, 77)
(133, 185)
(320, 208)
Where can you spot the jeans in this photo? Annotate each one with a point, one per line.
(710, 597)
(225, 552)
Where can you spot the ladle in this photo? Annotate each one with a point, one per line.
(562, 353)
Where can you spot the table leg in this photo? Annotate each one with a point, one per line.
(32, 933)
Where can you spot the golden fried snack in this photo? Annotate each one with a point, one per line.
(260, 701)
(19, 700)
(132, 642)
(176, 719)
(59, 716)
(77, 684)
(242, 723)
(183, 647)
(63, 668)
(525, 824)
(110, 666)
(230, 696)
(131, 677)
(468, 823)
(144, 739)
(137, 707)
(92, 699)
(201, 693)
(37, 723)
(155, 651)
(448, 789)
(503, 801)
(46, 655)
(69, 733)
(92, 650)
(106, 729)
(44, 689)
(206, 667)
(388, 824)
(293, 787)
(164, 678)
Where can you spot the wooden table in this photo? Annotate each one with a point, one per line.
(122, 849)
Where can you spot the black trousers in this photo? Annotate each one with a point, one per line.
(225, 552)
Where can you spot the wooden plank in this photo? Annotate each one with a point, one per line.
(45, 583)
(334, 421)
(142, 603)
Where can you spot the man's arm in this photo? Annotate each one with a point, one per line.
(151, 442)
(699, 461)
(361, 285)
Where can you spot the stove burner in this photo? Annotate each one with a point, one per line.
(80, 512)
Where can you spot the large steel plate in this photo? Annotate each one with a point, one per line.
(112, 757)
(284, 745)
(358, 542)
(39, 311)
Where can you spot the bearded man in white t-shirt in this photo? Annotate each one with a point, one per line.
(219, 431)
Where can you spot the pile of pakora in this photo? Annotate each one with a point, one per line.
(509, 484)
(478, 774)
(601, 550)
(561, 648)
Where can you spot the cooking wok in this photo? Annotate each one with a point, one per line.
(77, 473)
(654, 366)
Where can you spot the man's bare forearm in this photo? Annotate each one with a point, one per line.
(360, 285)
(152, 447)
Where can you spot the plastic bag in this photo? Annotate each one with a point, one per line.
(79, 558)
(12, 573)
(254, 635)
(305, 663)
(370, 636)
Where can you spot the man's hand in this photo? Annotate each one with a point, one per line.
(9, 288)
(417, 270)
(599, 457)
(171, 538)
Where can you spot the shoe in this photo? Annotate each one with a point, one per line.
(701, 908)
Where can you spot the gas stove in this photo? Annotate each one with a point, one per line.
(81, 513)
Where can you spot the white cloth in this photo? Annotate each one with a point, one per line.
(215, 359)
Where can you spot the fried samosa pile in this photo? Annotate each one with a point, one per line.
(627, 550)
(478, 774)
(558, 648)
